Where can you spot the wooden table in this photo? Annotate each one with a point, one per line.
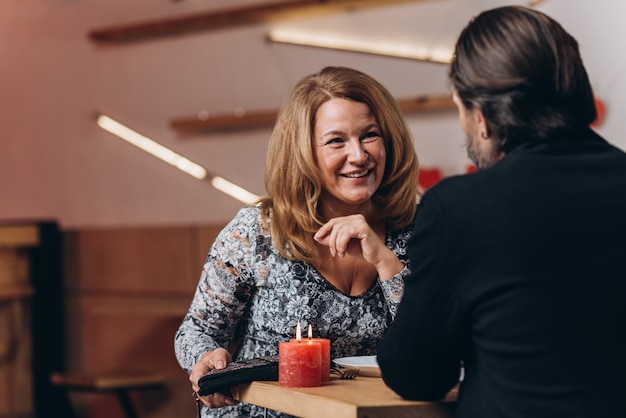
(363, 397)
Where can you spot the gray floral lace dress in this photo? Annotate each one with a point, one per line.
(250, 294)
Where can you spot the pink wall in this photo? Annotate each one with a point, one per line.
(56, 163)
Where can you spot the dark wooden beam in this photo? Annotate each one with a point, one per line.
(223, 122)
(204, 123)
(234, 17)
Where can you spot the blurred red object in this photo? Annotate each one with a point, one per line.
(471, 168)
(428, 177)
(600, 110)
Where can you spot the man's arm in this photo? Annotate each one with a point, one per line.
(420, 354)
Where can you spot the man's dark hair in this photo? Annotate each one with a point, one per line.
(525, 73)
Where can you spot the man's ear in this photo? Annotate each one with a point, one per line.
(480, 120)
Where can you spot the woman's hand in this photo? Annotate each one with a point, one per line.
(352, 235)
(215, 359)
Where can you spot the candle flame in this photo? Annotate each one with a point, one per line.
(298, 332)
(310, 332)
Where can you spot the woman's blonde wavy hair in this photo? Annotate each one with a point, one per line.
(292, 177)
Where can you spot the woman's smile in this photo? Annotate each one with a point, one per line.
(357, 175)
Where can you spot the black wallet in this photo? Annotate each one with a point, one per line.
(237, 372)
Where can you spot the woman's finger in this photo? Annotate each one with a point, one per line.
(218, 400)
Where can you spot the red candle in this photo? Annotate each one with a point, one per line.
(325, 343)
(299, 363)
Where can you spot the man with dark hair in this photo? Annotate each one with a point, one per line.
(518, 271)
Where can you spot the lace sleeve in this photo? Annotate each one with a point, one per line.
(393, 289)
(223, 291)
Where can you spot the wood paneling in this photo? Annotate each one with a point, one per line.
(145, 260)
(127, 292)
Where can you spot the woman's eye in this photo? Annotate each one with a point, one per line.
(335, 142)
(370, 137)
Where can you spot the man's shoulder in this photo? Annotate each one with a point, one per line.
(462, 184)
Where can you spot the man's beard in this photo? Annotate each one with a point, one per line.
(482, 158)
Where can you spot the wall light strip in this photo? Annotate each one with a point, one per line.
(231, 189)
(397, 50)
(152, 147)
(165, 154)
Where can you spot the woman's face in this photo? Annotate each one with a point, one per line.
(350, 154)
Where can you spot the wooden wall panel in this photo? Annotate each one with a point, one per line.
(128, 334)
(127, 292)
(146, 260)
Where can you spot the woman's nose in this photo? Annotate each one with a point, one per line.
(356, 152)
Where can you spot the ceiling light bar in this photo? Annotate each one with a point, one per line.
(165, 154)
(365, 46)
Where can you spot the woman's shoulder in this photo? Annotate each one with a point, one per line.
(248, 214)
(247, 222)
(246, 233)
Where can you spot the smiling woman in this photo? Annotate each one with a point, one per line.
(350, 154)
(326, 248)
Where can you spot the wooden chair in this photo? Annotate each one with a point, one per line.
(121, 384)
